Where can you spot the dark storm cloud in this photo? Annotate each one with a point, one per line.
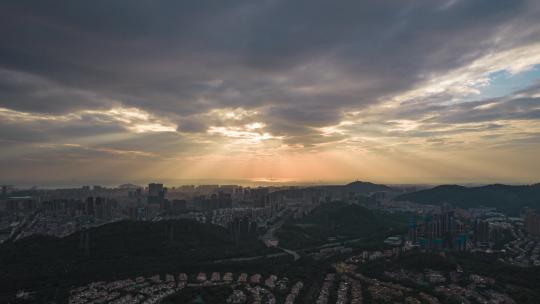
(51, 131)
(192, 125)
(15, 133)
(301, 64)
(26, 92)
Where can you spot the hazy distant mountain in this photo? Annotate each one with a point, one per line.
(504, 197)
(357, 187)
(365, 187)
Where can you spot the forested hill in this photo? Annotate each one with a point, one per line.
(358, 187)
(339, 220)
(503, 197)
(117, 249)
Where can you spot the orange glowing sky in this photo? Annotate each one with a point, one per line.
(311, 91)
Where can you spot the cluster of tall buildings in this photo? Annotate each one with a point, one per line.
(99, 207)
(439, 230)
(221, 200)
(22, 204)
(243, 210)
(242, 227)
(443, 230)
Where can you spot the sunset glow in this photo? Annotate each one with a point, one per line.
(451, 93)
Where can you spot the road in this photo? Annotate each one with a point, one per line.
(271, 240)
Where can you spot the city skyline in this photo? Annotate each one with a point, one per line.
(415, 92)
(254, 183)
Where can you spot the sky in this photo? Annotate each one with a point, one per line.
(323, 91)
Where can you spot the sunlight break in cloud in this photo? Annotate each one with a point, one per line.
(395, 91)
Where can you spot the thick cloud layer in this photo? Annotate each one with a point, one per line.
(267, 76)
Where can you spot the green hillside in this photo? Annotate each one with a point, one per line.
(504, 197)
(357, 187)
(116, 250)
(341, 221)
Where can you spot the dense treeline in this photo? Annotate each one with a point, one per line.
(341, 221)
(504, 197)
(522, 284)
(116, 250)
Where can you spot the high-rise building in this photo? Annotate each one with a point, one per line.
(439, 230)
(90, 210)
(413, 231)
(155, 189)
(99, 206)
(224, 200)
(481, 232)
(156, 193)
(532, 222)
